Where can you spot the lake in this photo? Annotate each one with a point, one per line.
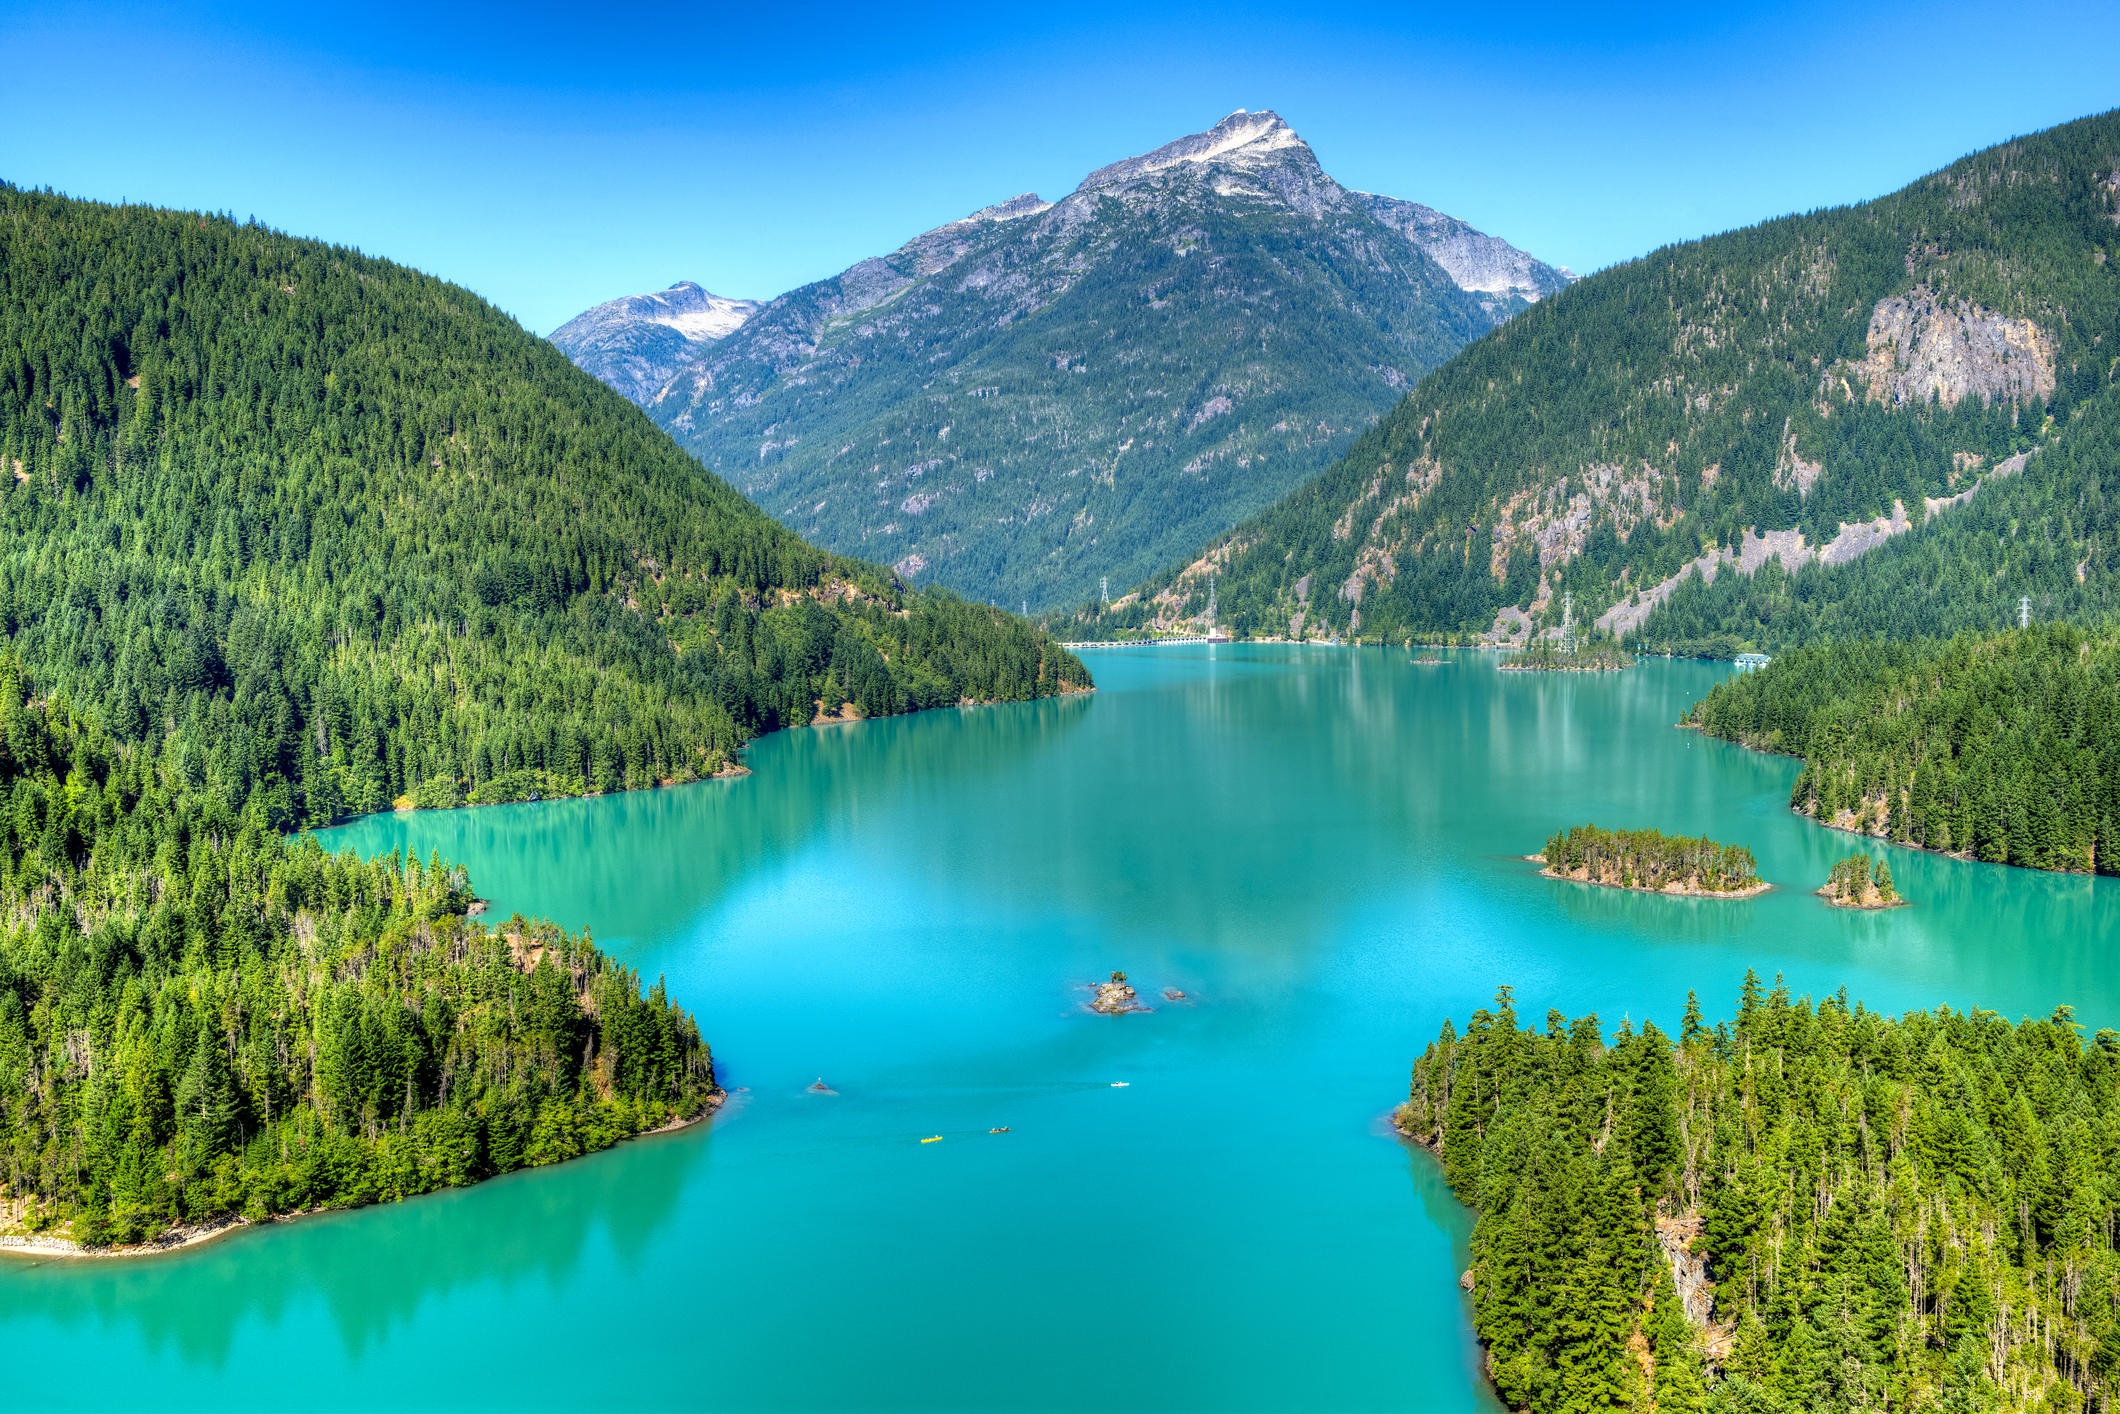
(1320, 847)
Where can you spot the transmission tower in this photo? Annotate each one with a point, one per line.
(2024, 611)
(1105, 584)
(1568, 622)
(1210, 606)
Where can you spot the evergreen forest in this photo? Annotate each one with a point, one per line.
(2002, 747)
(318, 534)
(1649, 859)
(291, 534)
(200, 1017)
(2041, 540)
(1806, 1208)
(1606, 439)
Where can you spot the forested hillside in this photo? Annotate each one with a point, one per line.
(199, 1017)
(314, 532)
(1810, 1209)
(1808, 389)
(2045, 535)
(2003, 747)
(293, 533)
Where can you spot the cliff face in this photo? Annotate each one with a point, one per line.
(1675, 1238)
(1923, 347)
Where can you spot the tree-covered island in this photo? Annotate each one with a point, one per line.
(1855, 883)
(1817, 1209)
(1598, 655)
(1652, 861)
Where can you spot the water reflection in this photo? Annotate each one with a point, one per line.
(645, 865)
(372, 1270)
(1432, 1192)
(1322, 847)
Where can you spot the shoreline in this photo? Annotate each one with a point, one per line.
(1668, 891)
(1834, 902)
(189, 1235)
(731, 768)
(1962, 856)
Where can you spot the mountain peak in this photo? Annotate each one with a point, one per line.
(1244, 134)
(635, 342)
(688, 307)
(1026, 204)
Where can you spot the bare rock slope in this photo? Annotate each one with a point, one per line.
(1506, 278)
(638, 342)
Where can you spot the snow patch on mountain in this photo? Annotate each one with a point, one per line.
(1263, 132)
(638, 342)
(695, 312)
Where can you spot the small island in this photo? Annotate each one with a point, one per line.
(1546, 656)
(1855, 883)
(1652, 862)
(1115, 997)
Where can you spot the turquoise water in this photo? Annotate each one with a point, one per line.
(1320, 846)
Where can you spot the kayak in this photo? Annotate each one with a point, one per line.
(933, 1139)
(1121, 1084)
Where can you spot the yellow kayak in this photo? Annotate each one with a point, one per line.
(933, 1139)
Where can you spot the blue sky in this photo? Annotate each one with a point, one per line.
(553, 159)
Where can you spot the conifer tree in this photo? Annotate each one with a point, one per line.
(1897, 1212)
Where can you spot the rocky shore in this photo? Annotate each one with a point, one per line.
(1675, 890)
(1871, 900)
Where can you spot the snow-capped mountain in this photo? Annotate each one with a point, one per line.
(1044, 394)
(637, 343)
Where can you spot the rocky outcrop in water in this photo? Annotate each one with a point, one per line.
(1115, 997)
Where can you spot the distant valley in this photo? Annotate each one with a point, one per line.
(1044, 395)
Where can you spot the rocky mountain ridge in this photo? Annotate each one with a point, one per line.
(1041, 396)
(1480, 264)
(637, 343)
(1904, 407)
